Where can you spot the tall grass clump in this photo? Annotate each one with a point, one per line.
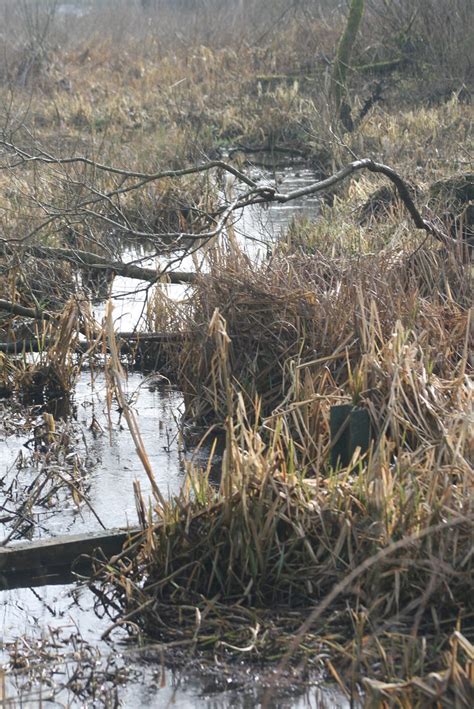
(384, 544)
(303, 327)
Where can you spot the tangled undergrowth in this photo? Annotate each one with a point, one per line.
(63, 668)
(49, 474)
(48, 379)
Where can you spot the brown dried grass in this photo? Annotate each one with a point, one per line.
(383, 545)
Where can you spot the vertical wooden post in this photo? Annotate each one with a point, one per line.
(350, 429)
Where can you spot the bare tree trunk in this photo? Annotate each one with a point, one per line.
(343, 61)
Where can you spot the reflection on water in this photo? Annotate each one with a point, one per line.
(116, 464)
(109, 454)
(256, 228)
(269, 224)
(71, 9)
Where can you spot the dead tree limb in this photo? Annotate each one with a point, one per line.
(86, 259)
(257, 194)
(24, 157)
(127, 341)
(271, 195)
(33, 313)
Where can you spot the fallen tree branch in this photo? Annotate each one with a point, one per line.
(258, 194)
(127, 341)
(33, 313)
(43, 157)
(86, 259)
(271, 195)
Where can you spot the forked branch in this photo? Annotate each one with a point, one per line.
(257, 193)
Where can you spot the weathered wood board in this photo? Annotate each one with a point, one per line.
(42, 558)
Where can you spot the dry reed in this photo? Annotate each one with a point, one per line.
(384, 545)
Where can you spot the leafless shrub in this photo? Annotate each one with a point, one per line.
(433, 36)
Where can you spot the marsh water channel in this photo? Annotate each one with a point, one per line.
(54, 628)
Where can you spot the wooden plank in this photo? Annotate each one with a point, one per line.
(126, 341)
(360, 431)
(43, 557)
(339, 423)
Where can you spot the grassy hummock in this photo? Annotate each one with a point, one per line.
(378, 552)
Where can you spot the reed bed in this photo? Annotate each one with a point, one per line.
(304, 328)
(49, 377)
(377, 554)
